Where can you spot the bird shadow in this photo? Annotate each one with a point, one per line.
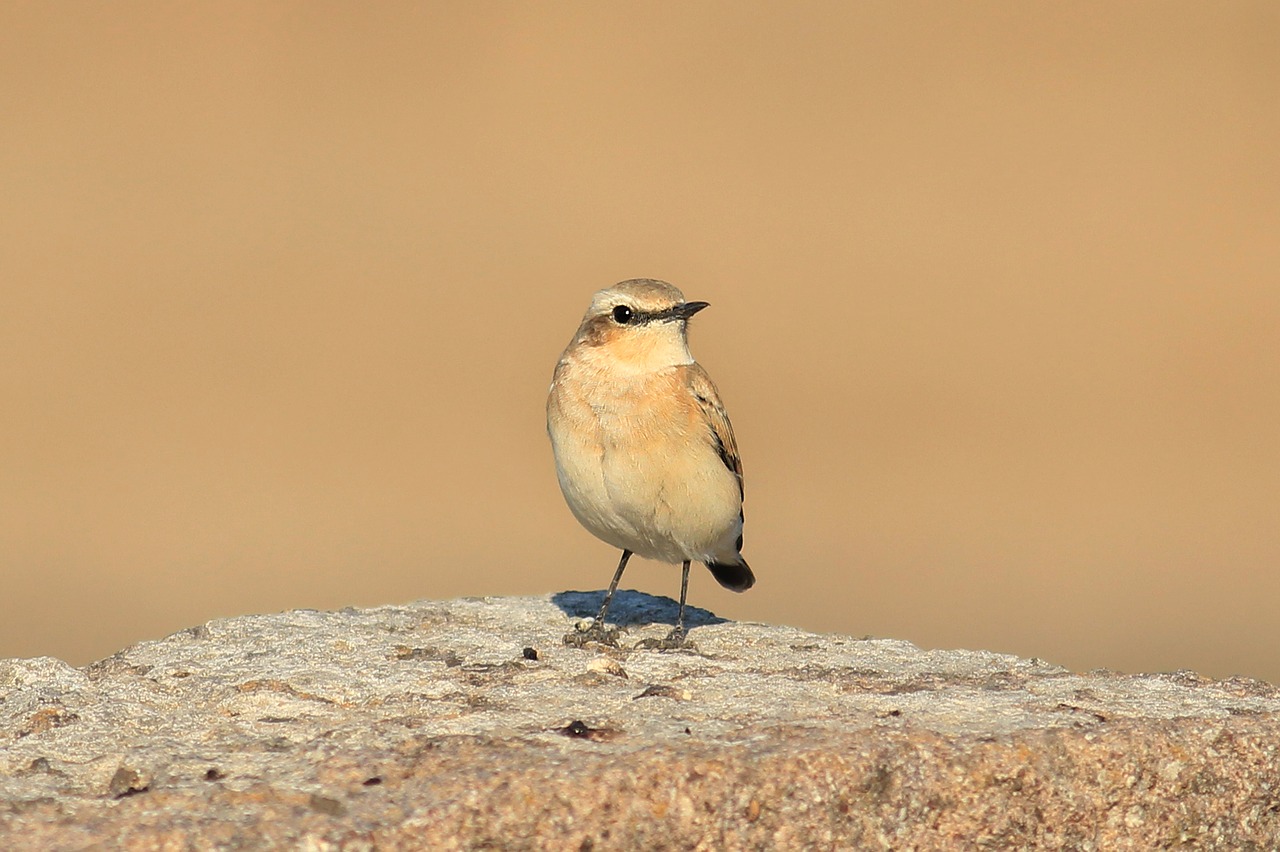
(631, 608)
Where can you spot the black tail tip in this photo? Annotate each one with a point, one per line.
(735, 576)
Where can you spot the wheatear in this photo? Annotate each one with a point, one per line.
(644, 450)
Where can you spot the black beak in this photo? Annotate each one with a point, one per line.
(688, 309)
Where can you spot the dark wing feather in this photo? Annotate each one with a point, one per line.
(704, 391)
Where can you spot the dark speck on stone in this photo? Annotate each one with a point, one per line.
(576, 728)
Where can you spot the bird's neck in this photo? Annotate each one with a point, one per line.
(639, 354)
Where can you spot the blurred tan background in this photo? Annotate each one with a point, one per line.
(995, 302)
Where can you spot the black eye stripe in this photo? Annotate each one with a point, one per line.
(627, 315)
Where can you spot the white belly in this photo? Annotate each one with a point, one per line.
(656, 489)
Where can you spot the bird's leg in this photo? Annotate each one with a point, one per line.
(677, 638)
(613, 587)
(597, 632)
(677, 635)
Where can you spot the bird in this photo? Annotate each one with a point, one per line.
(644, 451)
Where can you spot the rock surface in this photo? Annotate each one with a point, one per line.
(469, 724)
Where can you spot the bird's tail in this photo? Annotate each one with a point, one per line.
(735, 576)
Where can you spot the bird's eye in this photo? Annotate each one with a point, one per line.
(622, 315)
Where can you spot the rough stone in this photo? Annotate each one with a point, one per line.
(468, 724)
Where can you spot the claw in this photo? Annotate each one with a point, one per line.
(676, 639)
(596, 633)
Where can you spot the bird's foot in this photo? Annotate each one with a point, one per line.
(586, 633)
(676, 639)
